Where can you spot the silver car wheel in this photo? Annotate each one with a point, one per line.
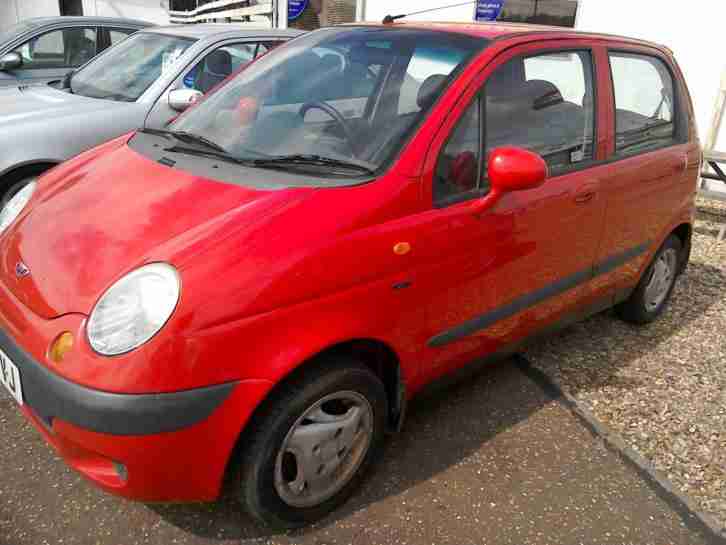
(661, 280)
(323, 449)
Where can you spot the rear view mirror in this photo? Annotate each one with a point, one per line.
(181, 99)
(511, 169)
(10, 61)
(515, 169)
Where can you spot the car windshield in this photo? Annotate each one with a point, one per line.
(13, 31)
(350, 94)
(127, 70)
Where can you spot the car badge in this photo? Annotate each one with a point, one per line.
(21, 270)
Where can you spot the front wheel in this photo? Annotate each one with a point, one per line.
(654, 290)
(13, 189)
(312, 445)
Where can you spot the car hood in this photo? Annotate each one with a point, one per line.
(43, 103)
(105, 213)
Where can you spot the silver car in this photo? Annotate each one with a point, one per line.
(43, 49)
(144, 81)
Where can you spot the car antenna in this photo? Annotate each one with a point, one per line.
(388, 19)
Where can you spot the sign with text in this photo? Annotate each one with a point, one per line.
(295, 8)
(488, 10)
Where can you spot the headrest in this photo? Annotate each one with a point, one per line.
(542, 94)
(219, 63)
(429, 89)
(332, 63)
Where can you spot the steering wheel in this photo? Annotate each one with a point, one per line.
(337, 117)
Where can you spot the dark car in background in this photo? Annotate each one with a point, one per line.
(47, 48)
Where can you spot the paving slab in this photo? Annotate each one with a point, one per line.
(494, 460)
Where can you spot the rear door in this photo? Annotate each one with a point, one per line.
(650, 159)
(527, 263)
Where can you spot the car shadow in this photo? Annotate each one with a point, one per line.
(445, 427)
(442, 428)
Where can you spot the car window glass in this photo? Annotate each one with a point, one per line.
(545, 104)
(457, 170)
(70, 47)
(345, 80)
(126, 71)
(428, 65)
(115, 35)
(332, 93)
(221, 63)
(644, 103)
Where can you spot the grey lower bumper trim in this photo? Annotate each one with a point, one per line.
(51, 396)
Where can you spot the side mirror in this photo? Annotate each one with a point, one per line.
(511, 169)
(181, 99)
(515, 169)
(10, 61)
(66, 82)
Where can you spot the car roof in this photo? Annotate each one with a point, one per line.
(232, 30)
(496, 31)
(42, 21)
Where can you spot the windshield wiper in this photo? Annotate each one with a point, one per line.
(305, 160)
(223, 155)
(186, 137)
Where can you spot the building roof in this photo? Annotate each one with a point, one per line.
(493, 31)
(205, 30)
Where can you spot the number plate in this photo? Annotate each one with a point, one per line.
(10, 378)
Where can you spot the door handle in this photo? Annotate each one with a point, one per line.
(585, 197)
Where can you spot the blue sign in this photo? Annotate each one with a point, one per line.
(488, 10)
(295, 9)
(191, 78)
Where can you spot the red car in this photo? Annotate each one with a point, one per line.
(261, 288)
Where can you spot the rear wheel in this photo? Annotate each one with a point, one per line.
(654, 290)
(312, 446)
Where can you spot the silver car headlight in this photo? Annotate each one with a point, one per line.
(134, 309)
(15, 205)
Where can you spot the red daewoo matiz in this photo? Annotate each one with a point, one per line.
(260, 288)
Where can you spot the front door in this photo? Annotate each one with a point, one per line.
(526, 263)
(51, 55)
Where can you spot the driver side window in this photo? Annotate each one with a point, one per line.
(457, 172)
(66, 48)
(216, 66)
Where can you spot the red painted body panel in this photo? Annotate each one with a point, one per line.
(272, 278)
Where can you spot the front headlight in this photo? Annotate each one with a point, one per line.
(134, 309)
(15, 205)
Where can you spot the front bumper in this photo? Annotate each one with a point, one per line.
(51, 396)
(171, 446)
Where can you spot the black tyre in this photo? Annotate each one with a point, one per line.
(654, 290)
(12, 188)
(312, 444)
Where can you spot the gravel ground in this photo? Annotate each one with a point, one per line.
(661, 387)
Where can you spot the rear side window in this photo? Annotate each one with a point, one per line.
(645, 112)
